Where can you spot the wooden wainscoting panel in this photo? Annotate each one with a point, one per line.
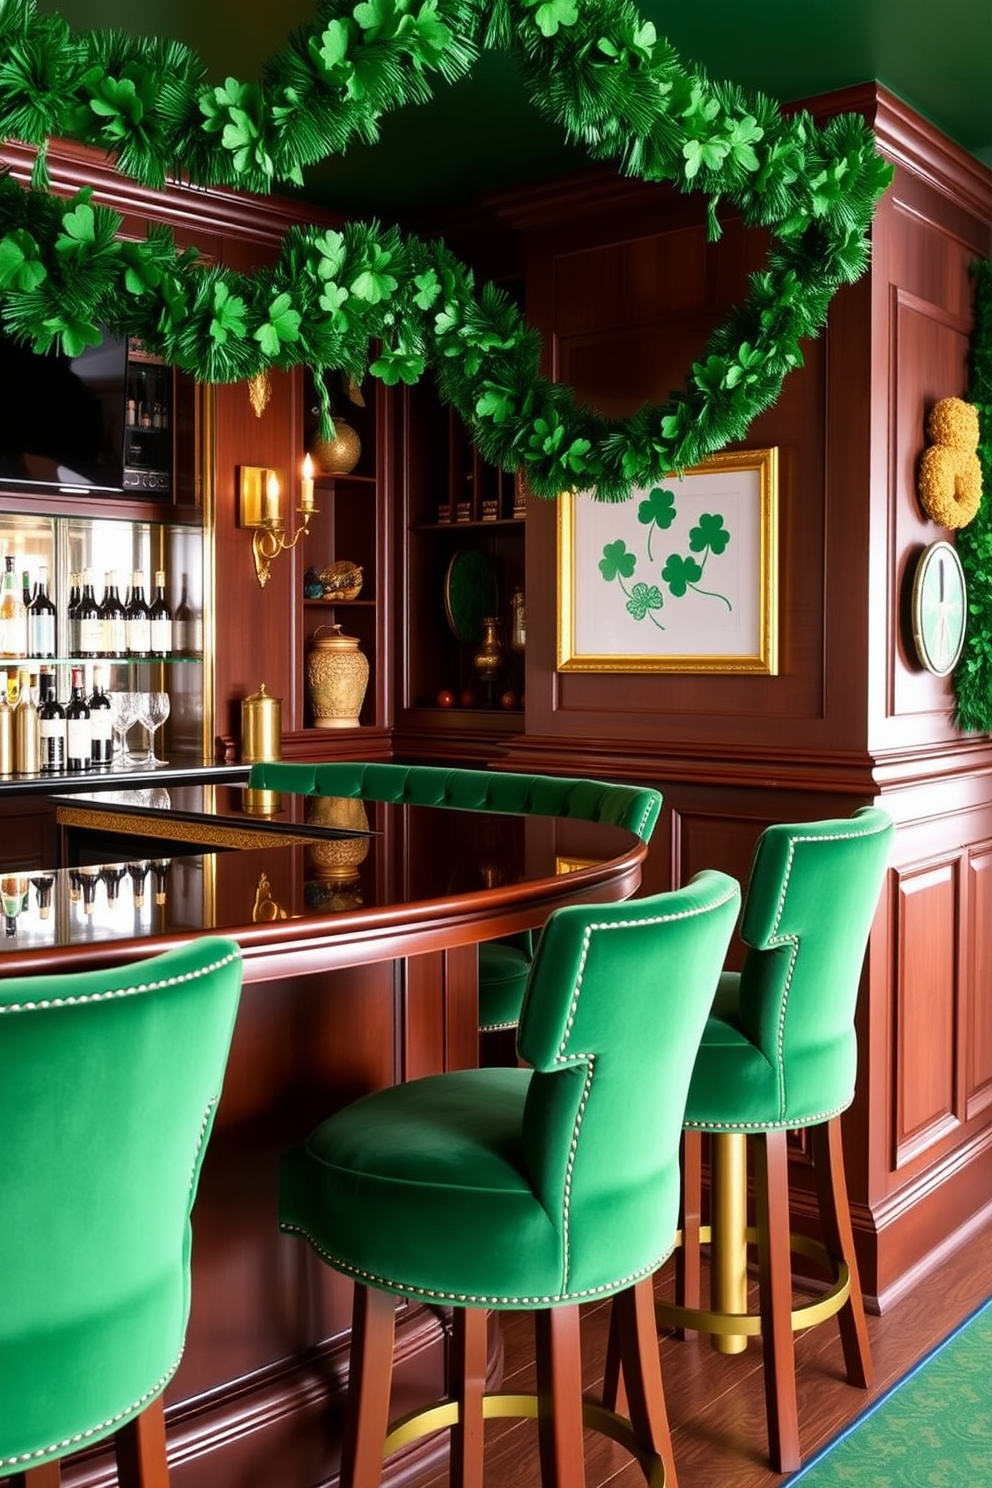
(924, 1055)
(977, 1012)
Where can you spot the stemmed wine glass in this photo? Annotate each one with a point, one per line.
(153, 710)
(123, 715)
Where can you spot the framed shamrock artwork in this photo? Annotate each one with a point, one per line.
(683, 577)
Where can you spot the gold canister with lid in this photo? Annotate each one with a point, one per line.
(261, 739)
(337, 676)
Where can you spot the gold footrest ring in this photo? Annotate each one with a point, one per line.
(749, 1323)
(595, 1417)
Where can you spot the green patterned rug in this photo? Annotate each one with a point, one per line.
(931, 1430)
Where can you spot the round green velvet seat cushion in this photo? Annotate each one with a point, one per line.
(503, 972)
(423, 1189)
(735, 1088)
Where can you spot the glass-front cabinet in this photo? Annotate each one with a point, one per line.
(101, 622)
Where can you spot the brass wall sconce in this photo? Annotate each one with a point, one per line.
(260, 508)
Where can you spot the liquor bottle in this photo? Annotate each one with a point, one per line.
(137, 626)
(27, 592)
(77, 723)
(113, 875)
(112, 618)
(160, 618)
(89, 878)
(90, 619)
(160, 872)
(75, 886)
(51, 728)
(137, 872)
(44, 883)
(41, 619)
(101, 731)
(13, 616)
(6, 730)
(72, 615)
(27, 741)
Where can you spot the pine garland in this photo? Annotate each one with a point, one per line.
(594, 67)
(973, 673)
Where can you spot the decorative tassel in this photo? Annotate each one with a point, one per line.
(259, 392)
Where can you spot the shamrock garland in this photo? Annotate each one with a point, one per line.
(973, 674)
(594, 67)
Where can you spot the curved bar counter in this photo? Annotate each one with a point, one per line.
(359, 938)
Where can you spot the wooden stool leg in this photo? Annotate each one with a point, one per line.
(614, 1393)
(373, 1328)
(140, 1447)
(559, 1389)
(633, 1313)
(467, 1385)
(48, 1475)
(771, 1188)
(838, 1236)
(688, 1268)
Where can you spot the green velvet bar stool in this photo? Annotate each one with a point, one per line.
(527, 1188)
(109, 1081)
(779, 1054)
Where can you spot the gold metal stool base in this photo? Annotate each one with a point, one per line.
(748, 1324)
(420, 1423)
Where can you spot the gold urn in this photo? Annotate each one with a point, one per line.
(337, 676)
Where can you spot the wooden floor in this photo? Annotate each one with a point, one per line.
(716, 1403)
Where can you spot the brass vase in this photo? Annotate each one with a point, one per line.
(340, 455)
(490, 657)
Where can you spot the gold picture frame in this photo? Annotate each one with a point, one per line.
(681, 578)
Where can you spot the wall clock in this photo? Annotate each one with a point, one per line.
(939, 608)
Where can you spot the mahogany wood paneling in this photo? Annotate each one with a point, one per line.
(926, 1000)
(977, 1012)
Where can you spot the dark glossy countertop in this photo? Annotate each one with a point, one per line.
(109, 778)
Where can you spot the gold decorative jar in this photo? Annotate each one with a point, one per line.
(335, 861)
(337, 676)
(490, 657)
(340, 455)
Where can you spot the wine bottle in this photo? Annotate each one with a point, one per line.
(51, 728)
(44, 883)
(27, 593)
(112, 618)
(6, 730)
(113, 874)
(160, 619)
(90, 620)
(27, 742)
(77, 721)
(137, 872)
(41, 619)
(137, 626)
(160, 872)
(101, 731)
(13, 616)
(72, 615)
(89, 878)
(182, 624)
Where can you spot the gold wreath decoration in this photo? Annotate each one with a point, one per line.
(950, 476)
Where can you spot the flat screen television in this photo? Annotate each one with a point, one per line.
(62, 419)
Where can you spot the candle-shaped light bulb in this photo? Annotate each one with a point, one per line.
(306, 485)
(271, 508)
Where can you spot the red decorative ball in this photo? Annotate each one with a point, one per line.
(468, 698)
(509, 699)
(445, 699)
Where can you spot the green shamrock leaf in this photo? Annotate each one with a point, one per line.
(617, 562)
(20, 266)
(709, 533)
(229, 314)
(644, 597)
(678, 573)
(282, 325)
(554, 13)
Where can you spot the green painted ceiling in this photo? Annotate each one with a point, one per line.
(482, 135)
